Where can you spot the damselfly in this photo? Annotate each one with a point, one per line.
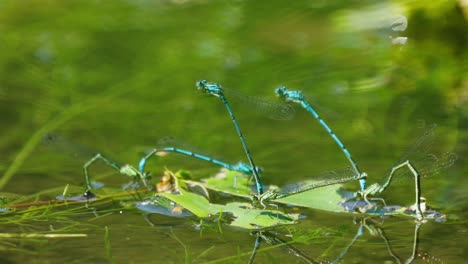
(240, 166)
(420, 148)
(64, 145)
(218, 91)
(298, 97)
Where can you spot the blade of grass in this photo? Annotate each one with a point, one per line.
(108, 246)
(186, 251)
(37, 235)
(66, 115)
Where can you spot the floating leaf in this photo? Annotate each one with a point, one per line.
(230, 182)
(163, 206)
(328, 198)
(331, 198)
(194, 203)
(243, 215)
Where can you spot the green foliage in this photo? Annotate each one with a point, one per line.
(118, 75)
(229, 182)
(326, 198)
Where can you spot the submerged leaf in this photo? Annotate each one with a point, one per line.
(252, 218)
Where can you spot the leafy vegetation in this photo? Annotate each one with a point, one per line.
(117, 75)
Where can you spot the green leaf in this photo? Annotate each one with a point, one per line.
(243, 215)
(326, 198)
(195, 203)
(230, 182)
(252, 218)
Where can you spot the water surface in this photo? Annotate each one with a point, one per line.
(116, 77)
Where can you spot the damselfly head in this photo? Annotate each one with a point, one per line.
(209, 88)
(50, 138)
(286, 95)
(88, 195)
(201, 85)
(255, 198)
(280, 91)
(289, 96)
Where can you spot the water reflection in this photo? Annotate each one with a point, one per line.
(118, 80)
(371, 225)
(274, 240)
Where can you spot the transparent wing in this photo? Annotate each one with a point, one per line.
(421, 157)
(69, 148)
(323, 179)
(62, 145)
(273, 109)
(427, 166)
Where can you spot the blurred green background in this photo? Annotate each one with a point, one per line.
(117, 76)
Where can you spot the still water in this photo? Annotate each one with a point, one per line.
(117, 77)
